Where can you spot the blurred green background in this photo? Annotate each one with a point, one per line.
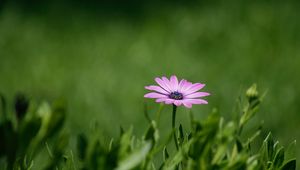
(99, 55)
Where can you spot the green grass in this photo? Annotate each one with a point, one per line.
(100, 62)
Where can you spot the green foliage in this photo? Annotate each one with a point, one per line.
(25, 131)
(210, 144)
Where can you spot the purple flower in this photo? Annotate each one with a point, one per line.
(177, 93)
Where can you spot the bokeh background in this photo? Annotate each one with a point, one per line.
(99, 55)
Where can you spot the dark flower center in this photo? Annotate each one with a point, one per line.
(176, 95)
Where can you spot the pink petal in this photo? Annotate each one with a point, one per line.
(186, 86)
(187, 104)
(178, 102)
(196, 101)
(154, 95)
(174, 83)
(193, 88)
(169, 101)
(161, 99)
(156, 88)
(197, 94)
(167, 83)
(166, 100)
(180, 85)
(162, 84)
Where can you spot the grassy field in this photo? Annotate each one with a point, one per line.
(99, 60)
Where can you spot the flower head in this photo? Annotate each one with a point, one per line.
(178, 93)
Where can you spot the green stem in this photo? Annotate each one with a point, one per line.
(173, 125)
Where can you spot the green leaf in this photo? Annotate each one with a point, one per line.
(60, 144)
(289, 165)
(135, 158)
(171, 163)
(181, 135)
(152, 133)
(125, 144)
(111, 143)
(270, 144)
(165, 154)
(252, 162)
(279, 158)
(291, 151)
(219, 154)
(27, 131)
(58, 151)
(56, 119)
(267, 149)
(239, 145)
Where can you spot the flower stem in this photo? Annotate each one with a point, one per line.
(173, 125)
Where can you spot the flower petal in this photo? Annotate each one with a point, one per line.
(174, 83)
(161, 99)
(186, 86)
(154, 95)
(197, 94)
(167, 83)
(178, 102)
(187, 104)
(189, 90)
(193, 88)
(196, 101)
(162, 84)
(169, 101)
(181, 84)
(166, 100)
(156, 88)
